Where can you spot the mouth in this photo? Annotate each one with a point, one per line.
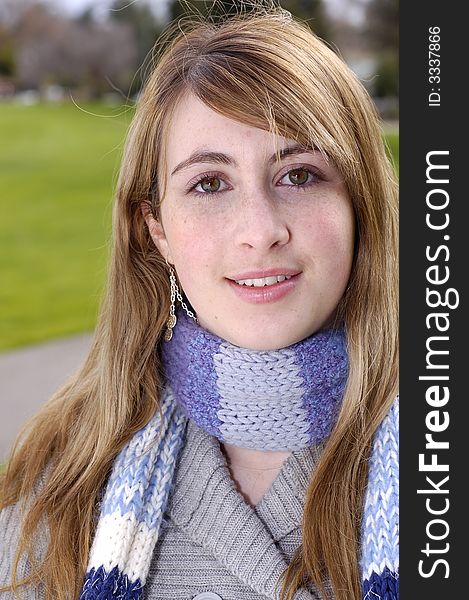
(264, 287)
(263, 281)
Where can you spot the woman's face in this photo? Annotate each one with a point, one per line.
(262, 248)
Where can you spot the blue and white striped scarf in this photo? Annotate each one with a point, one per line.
(137, 492)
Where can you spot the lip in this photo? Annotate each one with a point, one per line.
(268, 293)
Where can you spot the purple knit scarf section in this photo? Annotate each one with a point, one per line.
(283, 399)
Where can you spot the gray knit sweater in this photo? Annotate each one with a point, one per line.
(211, 540)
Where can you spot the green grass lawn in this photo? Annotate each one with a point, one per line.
(58, 168)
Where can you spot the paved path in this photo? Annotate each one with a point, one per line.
(29, 376)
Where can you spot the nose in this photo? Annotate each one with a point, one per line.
(261, 223)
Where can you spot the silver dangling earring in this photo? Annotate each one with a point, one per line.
(175, 293)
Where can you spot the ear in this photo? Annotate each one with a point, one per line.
(156, 231)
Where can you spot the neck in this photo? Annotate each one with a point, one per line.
(253, 471)
(254, 460)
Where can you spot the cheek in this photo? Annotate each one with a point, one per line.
(330, 238)
(192, 250)
(341, 245)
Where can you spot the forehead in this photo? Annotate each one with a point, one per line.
(195, 126)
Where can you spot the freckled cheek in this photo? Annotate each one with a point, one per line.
(331, 240)
(196, 254)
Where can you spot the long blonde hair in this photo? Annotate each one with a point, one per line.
(267, 70)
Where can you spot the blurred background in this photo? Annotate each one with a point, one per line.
(70, 73)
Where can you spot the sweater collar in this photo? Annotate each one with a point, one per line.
(206, 505)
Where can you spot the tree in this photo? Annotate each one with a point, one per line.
(382, 24)
(215, 8)
(50, 49)
(309, 10)
(7, 57)
(382, 31)
(146, 29)
(12, 10)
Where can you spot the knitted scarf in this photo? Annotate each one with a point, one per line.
(285, 399)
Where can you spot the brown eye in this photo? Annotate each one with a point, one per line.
(210, 184)
(298, 176)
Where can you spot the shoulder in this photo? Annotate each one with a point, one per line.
(10, 525)
(11, 520)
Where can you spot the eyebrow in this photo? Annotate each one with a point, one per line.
(202, 156)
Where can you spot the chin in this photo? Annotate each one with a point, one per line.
(261, 332)
(262, 341)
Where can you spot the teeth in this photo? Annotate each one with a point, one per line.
(262, 281)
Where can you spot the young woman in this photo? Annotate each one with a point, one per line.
(233, 431)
